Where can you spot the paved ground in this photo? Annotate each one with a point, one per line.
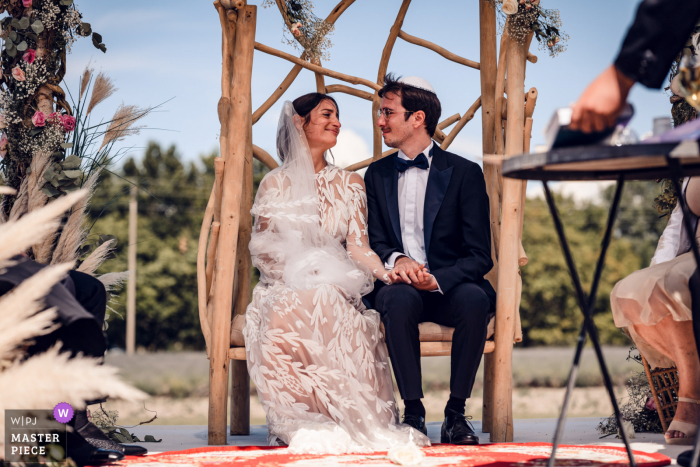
(578, 431)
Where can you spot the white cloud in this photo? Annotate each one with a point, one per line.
(351, 148)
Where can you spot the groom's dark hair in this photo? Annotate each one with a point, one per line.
(414, 99)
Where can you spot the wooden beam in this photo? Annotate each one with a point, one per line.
(436, 48)
(315, 68)
(449, 121)
(240, 122)
(383, 66)
(487, 75)
(202, 293)
(365, 163)
(348, 90)
(263, 156)
(281, 89)
(506, 302)
(469, 114)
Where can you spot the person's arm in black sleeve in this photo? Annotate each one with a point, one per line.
(378, 236)
(476, 235)
(659, 31)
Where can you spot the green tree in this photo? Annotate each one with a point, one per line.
(549, 309)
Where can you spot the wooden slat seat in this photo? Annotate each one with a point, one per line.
(435, 339)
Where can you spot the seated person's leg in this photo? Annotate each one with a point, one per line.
(91, 294)
(468, 309)
(400, 306)
(684, 354)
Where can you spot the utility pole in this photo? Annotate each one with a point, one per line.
(131, 286)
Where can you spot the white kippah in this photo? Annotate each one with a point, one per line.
(417, 82)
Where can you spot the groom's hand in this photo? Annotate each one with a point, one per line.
(405, 270)
(426, 281)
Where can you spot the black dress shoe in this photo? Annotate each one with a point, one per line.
(415, 421)
(456, 429)
(84, 453)
(685, 457)
(98, 439)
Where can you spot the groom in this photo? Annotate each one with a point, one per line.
(429, 222)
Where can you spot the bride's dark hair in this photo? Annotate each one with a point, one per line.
(303, 106)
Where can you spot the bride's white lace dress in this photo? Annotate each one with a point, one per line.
(315, 353)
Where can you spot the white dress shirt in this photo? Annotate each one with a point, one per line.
(412, 185)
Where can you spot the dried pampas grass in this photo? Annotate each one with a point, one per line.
(21, 203)
(85, 80)
(74, 232)
(122, 124)
(18, 236)
(97, 257)
(38, 199)
(52, 377)
(25, 301)
(102, 89)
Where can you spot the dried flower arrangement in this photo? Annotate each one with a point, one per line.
(527, 16)
(48, 146)
(639, 409)
(307, 30)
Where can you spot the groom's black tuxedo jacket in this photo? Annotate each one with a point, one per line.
(456, 222)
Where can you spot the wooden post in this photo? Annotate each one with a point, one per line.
(487, 71)
(240, 382)
(383, 65)
(131, 286)
(502, 423)
(240, 122)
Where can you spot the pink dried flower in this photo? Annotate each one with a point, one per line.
(29, 56)
(54, 118)
(27, 3)
(650, 404)
(18, 74)
(550, 44)
(295, 29)
(528, 6)
(68, 123)
(3, 146)
(39, 119)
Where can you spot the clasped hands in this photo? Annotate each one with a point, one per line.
(411, 272)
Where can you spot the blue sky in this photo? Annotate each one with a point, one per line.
(158, 50)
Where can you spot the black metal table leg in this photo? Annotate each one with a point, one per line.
(677, 174)
(586, 304)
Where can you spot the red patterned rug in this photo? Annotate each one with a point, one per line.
(493, 455)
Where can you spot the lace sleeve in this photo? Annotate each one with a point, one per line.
(357, 240)
(270, 265)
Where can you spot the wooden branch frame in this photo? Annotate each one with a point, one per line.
(315, 68)
(223, 262)
(439, 50)
(291, 76)
(348, 90)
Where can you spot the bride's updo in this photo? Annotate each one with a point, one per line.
(303, 106)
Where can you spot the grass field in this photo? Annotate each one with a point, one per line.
(179, 382)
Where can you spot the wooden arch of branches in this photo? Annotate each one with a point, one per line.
(223, 260)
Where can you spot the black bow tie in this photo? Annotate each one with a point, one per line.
(420, 162)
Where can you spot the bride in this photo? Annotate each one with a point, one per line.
(315, 353)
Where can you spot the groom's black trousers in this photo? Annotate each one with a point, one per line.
(465, 307)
